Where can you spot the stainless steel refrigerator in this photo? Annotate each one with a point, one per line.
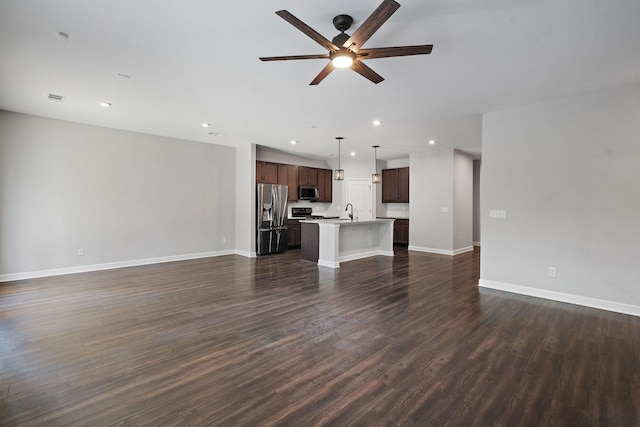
(271, 219)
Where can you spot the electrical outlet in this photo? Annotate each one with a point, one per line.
(80, 251)
(445, 209)
(224, 240)
(552, 272)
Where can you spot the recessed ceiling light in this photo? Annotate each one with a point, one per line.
(294, 142)
(377, 122)
(215, 133)
(105, 104)
(431, 142)
(206, 125)
(353, 153)
(126, 76)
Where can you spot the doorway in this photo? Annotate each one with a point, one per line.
(359, 194)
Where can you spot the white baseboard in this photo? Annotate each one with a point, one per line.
(328, 264)
(430, 250)
(246, 254)
(110, 265)
(354, 257)
(617, 307)
(476, 243)
(463, 250)
(441, 251)
(361, 255)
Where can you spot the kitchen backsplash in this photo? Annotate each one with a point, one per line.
(319, 208)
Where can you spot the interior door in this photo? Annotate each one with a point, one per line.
(359, 194)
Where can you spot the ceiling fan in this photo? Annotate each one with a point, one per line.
(346, 51)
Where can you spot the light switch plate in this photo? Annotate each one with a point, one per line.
(498, 213)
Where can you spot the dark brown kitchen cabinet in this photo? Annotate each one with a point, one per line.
(307, 176)
(310, 247)
(389, 185)
(403, 185)
(325, 183)
(294, 232)
(288, 175)
(266, 172)
(395, 185)
(401, 232)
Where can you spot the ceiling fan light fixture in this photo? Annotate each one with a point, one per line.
(342, 58)
(346, 51)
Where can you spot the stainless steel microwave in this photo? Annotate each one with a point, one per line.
(307, 192)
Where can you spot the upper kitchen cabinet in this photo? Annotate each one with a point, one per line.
(307, 176)
(288, 175)
(325, 183)
(395, 185)
(293, 175)
(266, 172)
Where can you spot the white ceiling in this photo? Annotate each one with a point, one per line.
(194, 61)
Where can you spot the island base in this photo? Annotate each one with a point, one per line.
(331, 242)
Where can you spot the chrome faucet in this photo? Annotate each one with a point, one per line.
(347, 209)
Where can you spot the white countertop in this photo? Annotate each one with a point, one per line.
(347, 221)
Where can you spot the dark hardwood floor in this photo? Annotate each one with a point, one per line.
(232, 341)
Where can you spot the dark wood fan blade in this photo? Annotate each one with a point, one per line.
(290, 57)
(319, 38)
(363, 70)
(324, 73)
(371, 25)
(385, 52)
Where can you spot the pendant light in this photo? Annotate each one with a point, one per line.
(339, 173)
(375, 177)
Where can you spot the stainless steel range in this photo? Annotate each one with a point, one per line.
(304, 213)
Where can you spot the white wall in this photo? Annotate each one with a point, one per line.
(462, 201)
(358, 167)
(568, 175)
(397, 163)
(441, 195)
(477, 166)
(267, 154)
(123, 197)
(245, 203)
(430, 190)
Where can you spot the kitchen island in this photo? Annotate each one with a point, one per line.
(332, 241)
